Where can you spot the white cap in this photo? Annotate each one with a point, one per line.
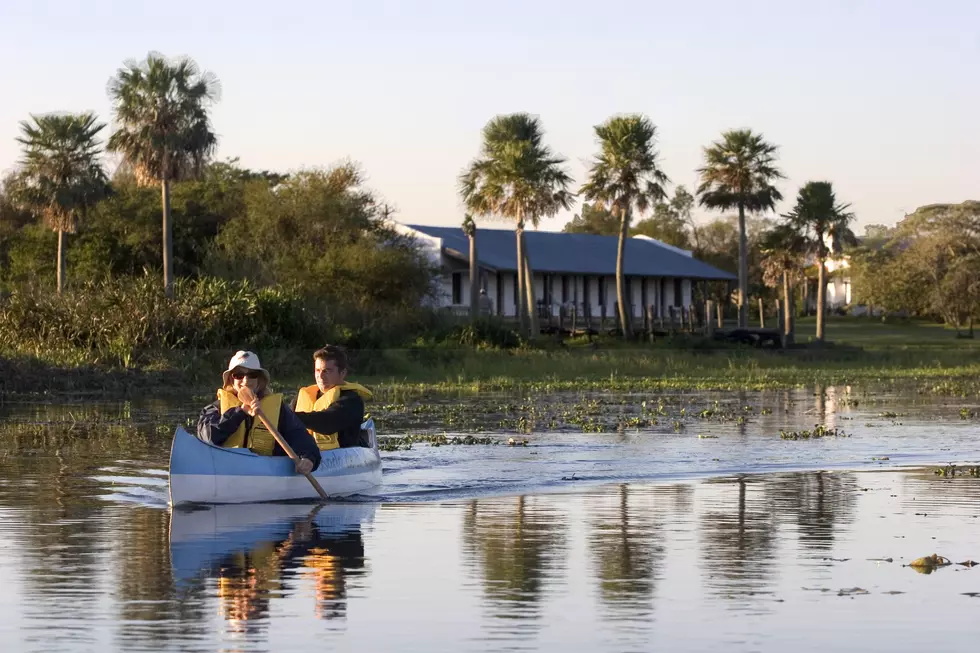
(246, 360)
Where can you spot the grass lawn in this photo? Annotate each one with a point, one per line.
(863, 352)
(866, 352)
(876, 335)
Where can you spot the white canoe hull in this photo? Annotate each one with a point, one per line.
(203, 473)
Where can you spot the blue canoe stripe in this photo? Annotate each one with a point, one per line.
(189, 455)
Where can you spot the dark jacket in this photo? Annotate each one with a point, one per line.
(343, 417)
(215, 428)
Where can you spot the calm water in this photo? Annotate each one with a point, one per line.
(620, 541)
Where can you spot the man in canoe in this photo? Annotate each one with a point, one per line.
(229, 423)
(333, 408)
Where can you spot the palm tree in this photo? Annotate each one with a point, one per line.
(61, 174)
(738, 173)
(782, 249)
(517, 178)
(825, 223)
(163, 130)
(469, 228)
(625, 175)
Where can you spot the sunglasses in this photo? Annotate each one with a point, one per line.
(241, 375)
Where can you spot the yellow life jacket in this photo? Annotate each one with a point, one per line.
(307, 402)
(258, 440)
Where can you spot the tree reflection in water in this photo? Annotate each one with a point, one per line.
(819, 503)
(626, 549)
(740, 529)
(518, 545)
(737, 552)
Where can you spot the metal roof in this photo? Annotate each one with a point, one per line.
(562, 253)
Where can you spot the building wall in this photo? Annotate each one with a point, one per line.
(660, 292)
(838, 292)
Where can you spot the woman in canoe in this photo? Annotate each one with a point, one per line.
(229, 423)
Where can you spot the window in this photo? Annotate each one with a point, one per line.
(564, 288)
(602, 291)
(585, 294)
(457, 287)
(678, 295)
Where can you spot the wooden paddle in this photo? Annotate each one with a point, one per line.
(246, 396)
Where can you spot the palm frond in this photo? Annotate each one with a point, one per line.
(61, 174)
(517, 178)
(821, 218)
(739, 170)
(161, 112)
(626, 174)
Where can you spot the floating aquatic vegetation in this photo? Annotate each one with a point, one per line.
(951, 470)
(405, 442)
(818, 431)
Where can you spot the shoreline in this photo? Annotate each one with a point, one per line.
(401, 373)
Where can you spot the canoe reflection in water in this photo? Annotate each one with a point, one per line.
(261, 552)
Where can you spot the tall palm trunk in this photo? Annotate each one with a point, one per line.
(474, 281)
(787, 308)
(805, 294)
(625, 322)
(533, 325)
(519, 299)
(168, 240)
(743, 270)
(821, 299)
(61, 260)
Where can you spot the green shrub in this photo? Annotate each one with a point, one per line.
(484, 334)
(117, 321)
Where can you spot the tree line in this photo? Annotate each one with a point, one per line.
(322, 233)
(927, 264)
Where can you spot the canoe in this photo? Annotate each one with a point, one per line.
(203, 537)
(203, 473)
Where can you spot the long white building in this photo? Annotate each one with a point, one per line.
(569, 269)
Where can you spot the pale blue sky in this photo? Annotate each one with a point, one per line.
(880, 97)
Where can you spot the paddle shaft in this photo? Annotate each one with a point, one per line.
(285, 445)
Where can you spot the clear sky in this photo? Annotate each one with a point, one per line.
(882, 97)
